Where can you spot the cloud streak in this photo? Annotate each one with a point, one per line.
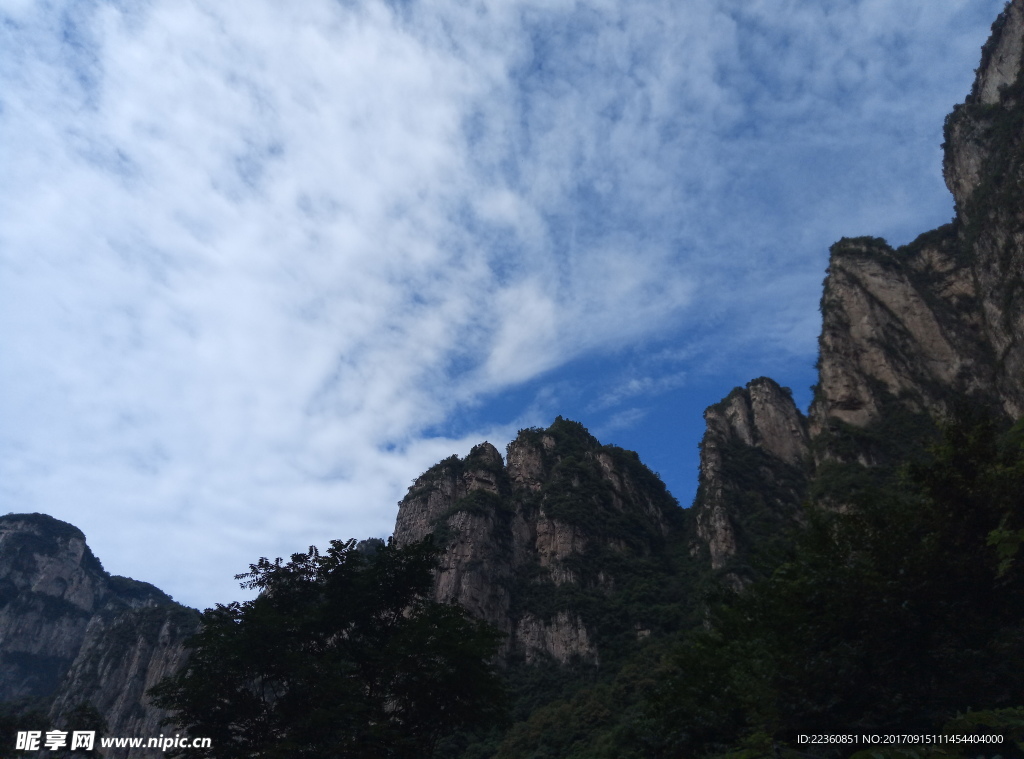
(251, 254)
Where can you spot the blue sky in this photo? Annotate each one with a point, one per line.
(261, 264)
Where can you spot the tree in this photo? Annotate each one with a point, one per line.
(341, 655)
(892, 616)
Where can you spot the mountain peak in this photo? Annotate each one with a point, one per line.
(560, 521)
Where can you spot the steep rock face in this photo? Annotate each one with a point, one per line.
(900, 325)
(435, 492)
(973, 140)
(122, 655)
(72, 634)
(987, 132)
(562, 637)
(943, 317)
(907, 334)
(464, 497)
(754, 463)
(523, 543)
(763, 416)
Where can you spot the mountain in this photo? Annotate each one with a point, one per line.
(576, 551)
(566, 548)
(753, 474)
(907, 334)
(911, 337)
(71, 634)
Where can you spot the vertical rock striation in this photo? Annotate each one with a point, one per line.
(907, 333)
(71, 634)
(753, 472)
(575, 549)
(529, 546)
(942, 318)
(903, 326)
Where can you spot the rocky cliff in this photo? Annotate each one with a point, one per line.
(541, 543)
(574, 549)
(907, 333)
(943, 317)
(755, 460)
(73, 636)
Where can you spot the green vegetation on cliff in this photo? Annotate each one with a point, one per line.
(894, 615)
(340, 655)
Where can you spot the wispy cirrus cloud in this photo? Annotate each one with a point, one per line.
(252, 254)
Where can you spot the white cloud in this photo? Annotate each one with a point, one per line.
(638, 387)
(251, 252)
(621, 420)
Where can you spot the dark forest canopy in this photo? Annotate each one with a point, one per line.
(902, 613)
(342, 654)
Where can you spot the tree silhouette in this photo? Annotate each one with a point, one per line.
(894, 615)
(341, 655)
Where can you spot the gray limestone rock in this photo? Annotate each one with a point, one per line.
(518, 540)
(906, 333)
(70, 634)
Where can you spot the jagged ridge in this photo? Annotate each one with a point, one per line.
(541, 546)
(907, 333)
